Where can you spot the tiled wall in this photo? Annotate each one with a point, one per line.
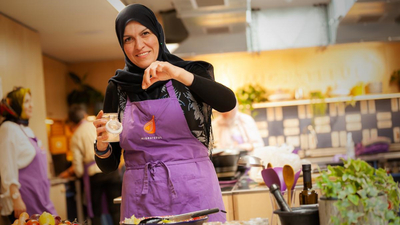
(367, 118)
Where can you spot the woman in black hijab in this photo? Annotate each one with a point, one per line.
(164, 104)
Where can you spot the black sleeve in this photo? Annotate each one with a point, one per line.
(111, 99)
(110, 105)
(218, 96)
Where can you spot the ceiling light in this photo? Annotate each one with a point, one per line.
(117, 4)
(172, 47)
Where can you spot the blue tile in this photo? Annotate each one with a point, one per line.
(275, 128)
(357, 136)
(353, 109)
(383, 105)
(324, 140)
(259, 114)
(369, 121)
(338, 123)
(396, 119)
(290, 112)
(388, 132)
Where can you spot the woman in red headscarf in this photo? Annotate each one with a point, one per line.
(25, 186)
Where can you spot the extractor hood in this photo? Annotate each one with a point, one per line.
(370, 20)
(213, 26)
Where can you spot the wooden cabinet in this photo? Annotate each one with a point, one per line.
(58, 197)
(248, 205)
(228, 203)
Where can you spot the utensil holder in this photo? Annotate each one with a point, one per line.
(274, 217)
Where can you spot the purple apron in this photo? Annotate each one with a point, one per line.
(35, 185)
(86, 186)
(88, 193)
(168, 170)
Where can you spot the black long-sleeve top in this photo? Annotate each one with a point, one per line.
(203, 94)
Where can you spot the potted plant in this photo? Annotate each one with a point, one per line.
(249, 94)
(85, 94)
(357, 193)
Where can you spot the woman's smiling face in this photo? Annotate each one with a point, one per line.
(140, 44)
(27, 107)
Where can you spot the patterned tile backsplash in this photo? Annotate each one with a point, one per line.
(364, 119)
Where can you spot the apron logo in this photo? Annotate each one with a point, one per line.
(150, 127)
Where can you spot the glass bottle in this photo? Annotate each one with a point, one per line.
(308, 195)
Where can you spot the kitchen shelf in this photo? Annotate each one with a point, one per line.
(326, 100)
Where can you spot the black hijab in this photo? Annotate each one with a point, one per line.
(131, 77)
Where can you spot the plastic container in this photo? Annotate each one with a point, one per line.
(299, 216)
(113, 127)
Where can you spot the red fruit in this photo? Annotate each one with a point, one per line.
(57, 219)
(33, 222)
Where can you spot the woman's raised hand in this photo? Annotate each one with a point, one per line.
(102, 135)
(160, 71)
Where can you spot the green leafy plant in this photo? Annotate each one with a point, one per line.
(249, 94)
(395, 77)
(357, 183)
(84, 93)
(318, 104)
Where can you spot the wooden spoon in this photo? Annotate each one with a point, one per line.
(288, 176)
(269, 165)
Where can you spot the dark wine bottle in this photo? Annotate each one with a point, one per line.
(308, 195)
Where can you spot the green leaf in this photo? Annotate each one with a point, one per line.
(84, 77)
(354, 199)
(353, 216)
(75, 78)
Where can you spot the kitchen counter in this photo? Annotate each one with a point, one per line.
(58, 187)
(246, 199)
(244, 185)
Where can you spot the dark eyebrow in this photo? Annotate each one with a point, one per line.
(144, 30)
(140, 32)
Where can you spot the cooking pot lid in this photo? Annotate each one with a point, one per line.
(225, 152)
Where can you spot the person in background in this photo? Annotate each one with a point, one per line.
(165, 106)
(83, 165)
(236, 130)
(25, 186)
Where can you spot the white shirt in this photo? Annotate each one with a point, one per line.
(237, 131)
(16, 152)
(83, 149)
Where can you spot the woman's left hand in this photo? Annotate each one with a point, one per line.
(160, 71)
